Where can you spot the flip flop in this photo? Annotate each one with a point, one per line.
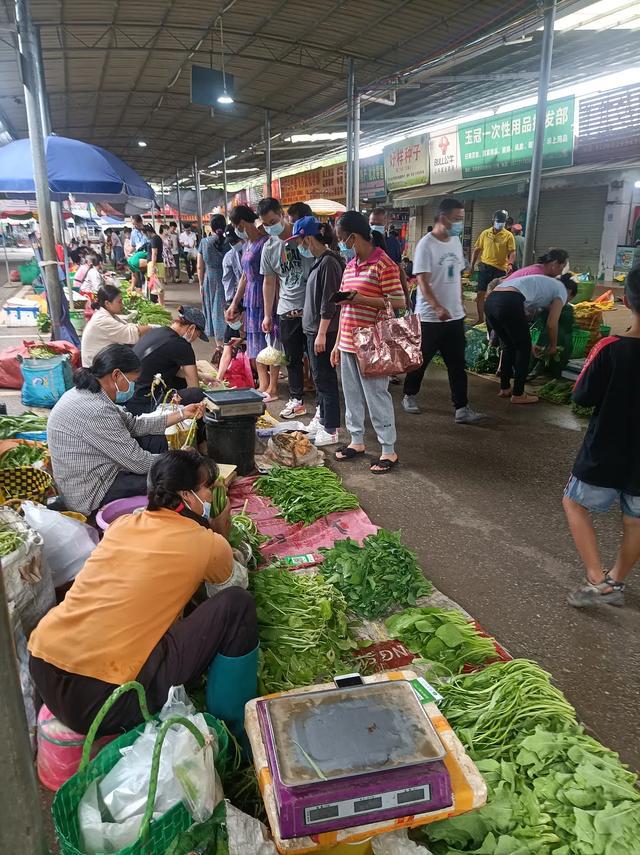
(385, 465)
(525, 399)
(348, 453)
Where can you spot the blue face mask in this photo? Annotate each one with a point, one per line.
(304, 252)
(456, 229)
(234, 325)
(275, 229)
(206, 506)
(123, 397)
(377, 229)
(242, 235)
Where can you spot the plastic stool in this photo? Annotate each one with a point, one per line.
(60, 750)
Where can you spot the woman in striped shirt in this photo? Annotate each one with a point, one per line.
(369, 279)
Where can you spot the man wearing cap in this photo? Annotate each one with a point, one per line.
(282, 264)
(168, 352)
(495, 249)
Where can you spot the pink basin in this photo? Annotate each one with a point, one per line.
(107, 514)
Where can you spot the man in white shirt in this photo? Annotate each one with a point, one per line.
(188, 243)
(438, 263)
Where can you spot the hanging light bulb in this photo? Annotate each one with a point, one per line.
(225, 98)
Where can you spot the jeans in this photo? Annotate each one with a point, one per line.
(601, 499)
(190, 264)
(325, 378)
(505, 315)
(372, 391)
(293, 341)
(448, 338)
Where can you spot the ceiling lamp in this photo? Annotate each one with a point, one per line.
(142, 144)
(225, 98)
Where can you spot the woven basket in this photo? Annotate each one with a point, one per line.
(155, 836)
(24, 483)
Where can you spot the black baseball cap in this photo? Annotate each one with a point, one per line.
(192, 315)
(501, 216)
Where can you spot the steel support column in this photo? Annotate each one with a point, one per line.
(535, 178)
(27, 48)
(178, 203)
(224, 178)
(267, 149)
(196, 178)
(351, 88)
(355, 181)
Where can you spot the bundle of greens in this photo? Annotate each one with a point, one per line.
(556, 391)
(491, 710)
(10, 540)
(22, 455)
(562, 793)
(245, 531)
(377, 576)
(152, 313)
(26, 423)
(305, 494)
(43, 322)
(304, 633)
(582, 412)
(441, 636)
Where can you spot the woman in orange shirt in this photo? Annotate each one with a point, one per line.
(121, 619)
(370, 279)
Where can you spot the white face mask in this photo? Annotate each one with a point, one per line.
(498, 226)
(377, 229)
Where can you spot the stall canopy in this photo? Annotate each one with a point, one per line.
(325, 207)
(87, 172)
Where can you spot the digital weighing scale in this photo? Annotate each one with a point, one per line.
(345, 756)
(232, 403)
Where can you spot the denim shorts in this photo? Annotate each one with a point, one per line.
(601, 499)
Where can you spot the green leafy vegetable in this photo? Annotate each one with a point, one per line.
(26, 423)
(442, 636)
(304, 494)
(582, 411)
(245, 531)
(304, 632)
(10, 540)
(22, 455)
(377, 576)
(556, 391)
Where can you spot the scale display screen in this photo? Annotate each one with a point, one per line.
(355, 807)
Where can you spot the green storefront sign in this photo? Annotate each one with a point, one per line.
(504, 143)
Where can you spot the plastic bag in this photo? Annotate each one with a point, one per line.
(239, 579)
(67, 542)
(271, 354)
(239, 375)
(97, 833)
(247, 834)
(397, 843)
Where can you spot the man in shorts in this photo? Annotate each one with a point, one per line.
(608, 464)
(495, 250)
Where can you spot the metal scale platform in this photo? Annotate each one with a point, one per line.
(343, 758)
(233, 403)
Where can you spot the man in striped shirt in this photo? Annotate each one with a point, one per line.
(370, 279)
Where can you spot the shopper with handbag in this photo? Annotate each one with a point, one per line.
(370, 282)
(438, 264)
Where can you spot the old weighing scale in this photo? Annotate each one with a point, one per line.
(230, 423)
(356, 758)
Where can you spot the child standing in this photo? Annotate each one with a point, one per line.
(608, 464)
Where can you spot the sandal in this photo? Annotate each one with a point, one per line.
(504, 393)
(524, 399)
(589, 594)
(384, 464)
(348, 453)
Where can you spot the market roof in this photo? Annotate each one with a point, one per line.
(118, 73)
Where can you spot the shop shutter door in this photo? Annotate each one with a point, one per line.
(483, 210)
(573, 219)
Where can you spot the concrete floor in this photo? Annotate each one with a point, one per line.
(481, 507)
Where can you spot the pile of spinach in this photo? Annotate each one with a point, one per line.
(376, 577)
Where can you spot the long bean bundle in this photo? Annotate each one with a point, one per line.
(491, 710)
(305, 494)
(304, 633)
(10, 540)
(24, 423)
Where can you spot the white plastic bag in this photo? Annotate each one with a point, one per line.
(397, 843)
(272, 354)
(239, 579)
(247, 835)
(67, 542)
(98, 834)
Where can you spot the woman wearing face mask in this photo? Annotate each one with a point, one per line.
(99, 451)
(320, 321)
(250, 293)
(369, 279)
(122, 618)
(107, 326)
(552, 263)
(211, 252)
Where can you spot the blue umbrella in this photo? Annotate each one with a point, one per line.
(87, 172)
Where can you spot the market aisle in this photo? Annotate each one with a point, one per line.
(481, 506)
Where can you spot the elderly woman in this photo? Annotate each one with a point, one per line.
(122, 621)
(99, 451)
(106, 326)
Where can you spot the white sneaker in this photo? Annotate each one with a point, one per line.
(315, 424)
(293, 409)
(324, 438)
(467, 416)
